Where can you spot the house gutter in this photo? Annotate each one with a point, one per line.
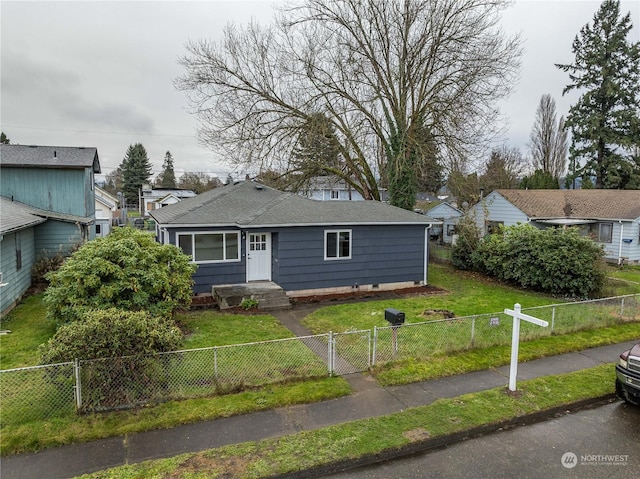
(620, 246)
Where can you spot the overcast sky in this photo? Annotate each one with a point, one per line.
(101, 73)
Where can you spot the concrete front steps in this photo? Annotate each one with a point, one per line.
(268, 295)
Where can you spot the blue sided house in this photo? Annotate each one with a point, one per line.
(47, 208)
(610, 217)
(247, 232)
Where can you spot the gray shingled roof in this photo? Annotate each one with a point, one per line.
(16, 216)
(250, 204)
(578, 204)
(49, 156)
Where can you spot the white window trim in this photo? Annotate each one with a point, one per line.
(338, 258)
(598, 238)
(224, 247)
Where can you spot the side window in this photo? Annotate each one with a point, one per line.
(337, 244)
(601, 232)
(492, 227)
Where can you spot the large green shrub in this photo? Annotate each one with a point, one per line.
(466, 243)
(108, 333)
(553, 260)
(116, 349)
(127, 269)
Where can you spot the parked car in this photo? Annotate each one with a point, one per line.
(628, 375)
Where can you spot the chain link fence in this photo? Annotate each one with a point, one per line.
(432, 338)
(44, 392)
(37, 393)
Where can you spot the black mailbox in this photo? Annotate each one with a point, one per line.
(395, 317)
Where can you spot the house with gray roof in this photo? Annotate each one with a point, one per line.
(58, 179)
(17, 250)
(449, 215)
(247, 232)
(152, 198)
(609, 217)
(25, 235)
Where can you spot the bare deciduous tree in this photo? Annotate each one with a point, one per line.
(548, 139)
(386, 75)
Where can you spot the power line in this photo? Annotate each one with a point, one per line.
(96, 131)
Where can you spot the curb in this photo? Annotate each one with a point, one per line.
(426, 445)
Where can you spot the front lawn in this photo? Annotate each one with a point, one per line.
(212, 328)
(29, 329)
(465, 294)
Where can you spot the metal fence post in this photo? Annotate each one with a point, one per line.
(330, 353)
(553, 318)
(369, 352)
(622, 308)
(375, 343)
(215, 362)
(78, 386)
(473, 330)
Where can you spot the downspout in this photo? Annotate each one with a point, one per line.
(426, 253)
(620, 247)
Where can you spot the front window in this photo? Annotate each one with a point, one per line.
(335, 195)
(210, 247)
(601, 232)
(337, 244)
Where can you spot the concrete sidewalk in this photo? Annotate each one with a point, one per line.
(368, 400)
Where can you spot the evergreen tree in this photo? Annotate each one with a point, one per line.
(502, 170)
(136, 171)
(605, 120)
(167, 178)
(540, 180)
(3, 139)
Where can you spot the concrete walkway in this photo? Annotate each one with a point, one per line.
(368, 400)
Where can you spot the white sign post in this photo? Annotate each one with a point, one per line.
(515, 339)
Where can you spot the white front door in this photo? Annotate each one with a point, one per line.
(258, 257)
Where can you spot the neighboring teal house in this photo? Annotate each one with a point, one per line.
(47, 208)
(17, 250)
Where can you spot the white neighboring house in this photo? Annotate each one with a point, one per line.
(327, 188)
(152, 199)
(106, 211)
(610, 217)
(449, 215)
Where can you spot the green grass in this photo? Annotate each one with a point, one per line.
(628, 273)
(29, 329)
(211, 328)
(414, 370)
(71, 428)
(628, 280)
(352, 440)
(466, 294)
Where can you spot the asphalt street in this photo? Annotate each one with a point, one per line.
(603, 442)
